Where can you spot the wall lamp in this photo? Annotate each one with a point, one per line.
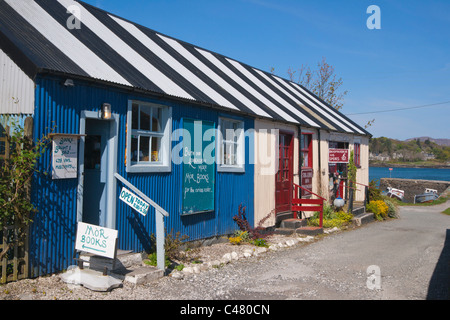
(69, 83)
(106, 111)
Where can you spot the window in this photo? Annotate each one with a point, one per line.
(306, 149)
(148, 141)
(231, 150)
(357, 154)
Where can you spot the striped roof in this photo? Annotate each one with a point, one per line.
(113, 49)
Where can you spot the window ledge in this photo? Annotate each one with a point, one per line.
(231, 169)
(140, 168)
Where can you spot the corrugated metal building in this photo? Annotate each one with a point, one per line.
(83, 63)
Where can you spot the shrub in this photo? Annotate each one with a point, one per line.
(392, 208)
(260, 243)
(331, 219)
(379, 208)
(235, 240)
(374, 191)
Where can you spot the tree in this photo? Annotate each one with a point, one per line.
(323, 82)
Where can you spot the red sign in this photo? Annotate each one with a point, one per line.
(307, 175)
(338, 156)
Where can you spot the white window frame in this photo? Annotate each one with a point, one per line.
(239, 167)
(164, 164)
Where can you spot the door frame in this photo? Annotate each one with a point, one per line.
(291, 169)
(111, 183)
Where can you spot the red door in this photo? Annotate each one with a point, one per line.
(284, 177)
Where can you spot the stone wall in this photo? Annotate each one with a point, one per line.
(413, 187)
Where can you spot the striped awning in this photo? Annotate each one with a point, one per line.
(109, 48)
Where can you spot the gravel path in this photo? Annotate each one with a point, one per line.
(408, 251)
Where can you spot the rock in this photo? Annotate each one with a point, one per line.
(260, 250)
(214, 263)
(290, 243)
(226, 257)
(188, 270)
(177, 275)
(234, 256)
(273, 247)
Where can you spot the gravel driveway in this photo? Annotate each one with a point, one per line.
(408, 252)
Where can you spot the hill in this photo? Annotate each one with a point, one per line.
(440, 142)
(412, 150)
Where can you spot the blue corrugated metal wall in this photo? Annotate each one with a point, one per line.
(54, 226)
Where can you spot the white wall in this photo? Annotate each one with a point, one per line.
(16, 88)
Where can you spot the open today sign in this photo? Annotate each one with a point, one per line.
(134, 201)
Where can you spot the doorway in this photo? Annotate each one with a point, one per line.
(98, 162)
(284, 176)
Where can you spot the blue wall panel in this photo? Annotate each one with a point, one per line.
(54, 227)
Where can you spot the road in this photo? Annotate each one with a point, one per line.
(411, 254)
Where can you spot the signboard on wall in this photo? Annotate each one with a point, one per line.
(97, 240)
(198, 168)
(64, 156)
(338, 156)
(307, 176)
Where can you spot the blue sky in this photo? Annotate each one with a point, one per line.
(404, 64)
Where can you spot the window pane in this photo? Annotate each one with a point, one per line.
(305, 159)
(135, 116)
(134, 148)
(230, 154)
(156, 120)
(146, 112)
(144, 149)
(156, 145)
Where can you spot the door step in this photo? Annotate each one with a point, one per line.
(293, 223)
(297, 226)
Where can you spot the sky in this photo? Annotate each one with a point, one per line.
(404, 64)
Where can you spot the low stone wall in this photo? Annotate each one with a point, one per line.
(413, 187)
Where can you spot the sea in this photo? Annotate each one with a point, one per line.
(376, 173)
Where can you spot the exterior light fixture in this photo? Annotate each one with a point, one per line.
(69, 83)
(339, 202)
(106, 111)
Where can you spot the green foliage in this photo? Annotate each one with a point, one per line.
(16, 173)
(351, 168)
(331, 218)
(152, 260)
(409, 151)
(392, 208)
(260, 243)
(374, 191)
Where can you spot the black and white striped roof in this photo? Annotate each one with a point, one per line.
(110, 48)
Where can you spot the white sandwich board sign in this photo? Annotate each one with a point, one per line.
(97, 240)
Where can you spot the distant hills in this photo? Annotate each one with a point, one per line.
(441, 142)
(412, 150)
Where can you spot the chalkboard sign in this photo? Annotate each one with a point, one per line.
(198, 166)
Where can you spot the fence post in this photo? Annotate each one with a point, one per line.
(350, 200)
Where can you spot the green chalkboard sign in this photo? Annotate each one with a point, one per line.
(198, 166)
